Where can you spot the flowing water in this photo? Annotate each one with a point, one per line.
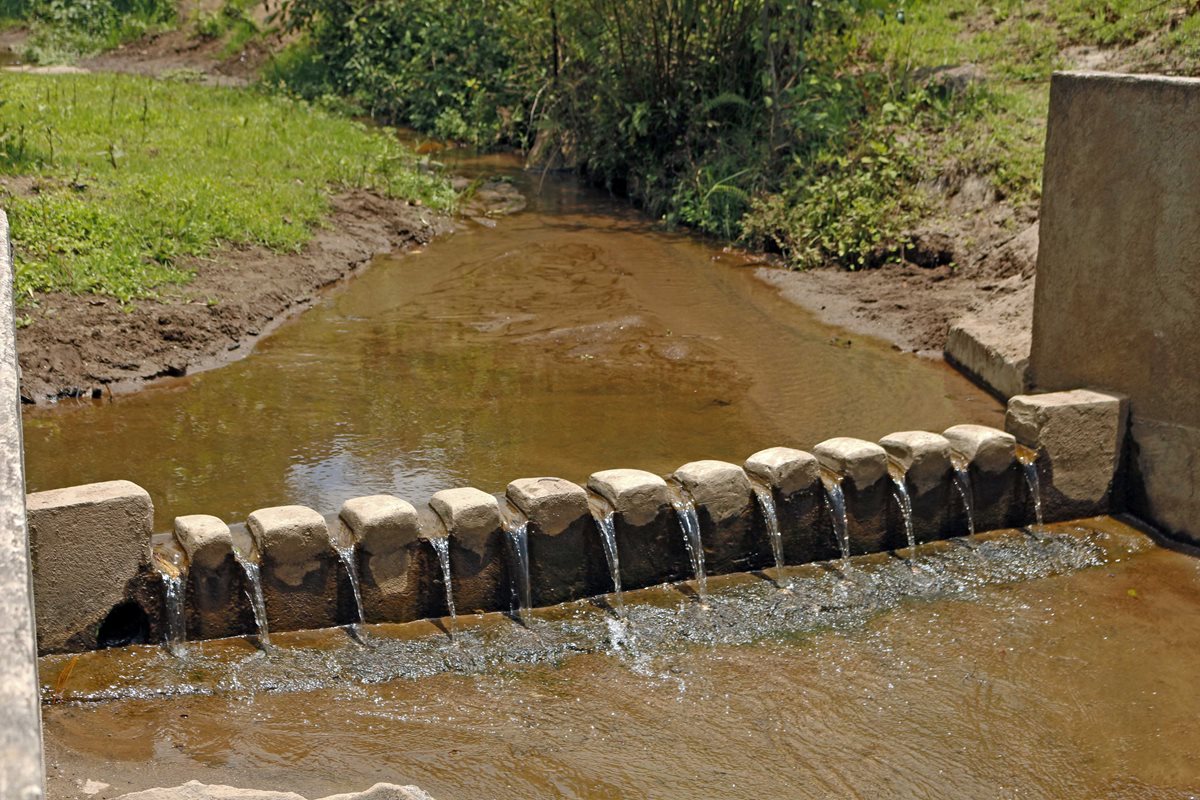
(441, 546)
(516, 529)
(1035, 488)
(572, 337)
(350, 561)
(606, 525)
(904, 503)
(255, 593)
(962, 485)
(1055, 668)
(835, 504)
(689, 524)
(766, 503)
(169, 562)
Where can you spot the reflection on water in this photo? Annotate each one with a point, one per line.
(570, 338)
(1019, 667)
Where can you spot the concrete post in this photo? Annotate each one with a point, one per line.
(566, 557)
(863, 468)
(725, 508)
(397, 570)
(649, 539)
(216, 593)
(794, 478)
(997, 480)
(478, 553)
(1079, 437)
(929, 478)
(300, 571)
(21, 769)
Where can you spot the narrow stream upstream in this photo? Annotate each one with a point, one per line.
(571, 337)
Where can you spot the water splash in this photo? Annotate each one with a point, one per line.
(685, 512)
(766, 502)
(441, 546)
(1033, 481)
(904, 502)
(255, 593)
(606, 524)
(517, 531)
(835, 504)
(962, 482)
(347, 554)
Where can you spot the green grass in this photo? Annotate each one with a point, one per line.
(132, 175)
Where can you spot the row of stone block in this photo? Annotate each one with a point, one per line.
(306, 586)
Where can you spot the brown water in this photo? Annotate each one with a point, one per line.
(1010, 668)
(569, 338)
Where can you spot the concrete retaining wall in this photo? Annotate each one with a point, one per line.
(21, 773)
(1117, 303)
(306, 585)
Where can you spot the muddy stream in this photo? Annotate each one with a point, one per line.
(569, 338)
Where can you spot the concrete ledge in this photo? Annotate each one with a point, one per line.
(90, 544)
(21, 772)
(996, 355)
(794, 478)
(217, 602)
(997, 481)
(725, 509)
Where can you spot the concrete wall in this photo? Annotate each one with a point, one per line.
(1117, 304)
(1074, 438)
(21, 774)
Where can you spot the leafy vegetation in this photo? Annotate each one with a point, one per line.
(121, 177)
(801, 126)
(63, 30)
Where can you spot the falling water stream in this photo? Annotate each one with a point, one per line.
(606, 524)
(904, 503)
(441, 546)
(516, 528)
(349, 560)
(962, 484)
(255, 593)
(1035, 487)
(766, 503)
(835, 503)
(689, 523)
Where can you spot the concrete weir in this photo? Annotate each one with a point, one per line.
(306, 560)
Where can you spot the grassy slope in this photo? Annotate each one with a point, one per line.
(121, 176)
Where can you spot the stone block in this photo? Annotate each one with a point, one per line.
(217, 602)
(478, 548)
(396, 573)
(90, 549)
(1079, 438)
(862, 470)
(649, 541)
(997, 481)
(794, 479)
(725, 508)
(300, 570)
(566, 556)
(924, 458)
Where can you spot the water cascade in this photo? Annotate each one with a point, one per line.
(835, 503)
(441, 546)
(255, 593)
(606, 524)
(516, 528)
(174, 576)
(347, 555)
(962, 482)
(766, 503)
(904, 503)
(685, 511)
(1028, 461)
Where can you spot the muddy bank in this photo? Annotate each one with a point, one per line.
(85, 345)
